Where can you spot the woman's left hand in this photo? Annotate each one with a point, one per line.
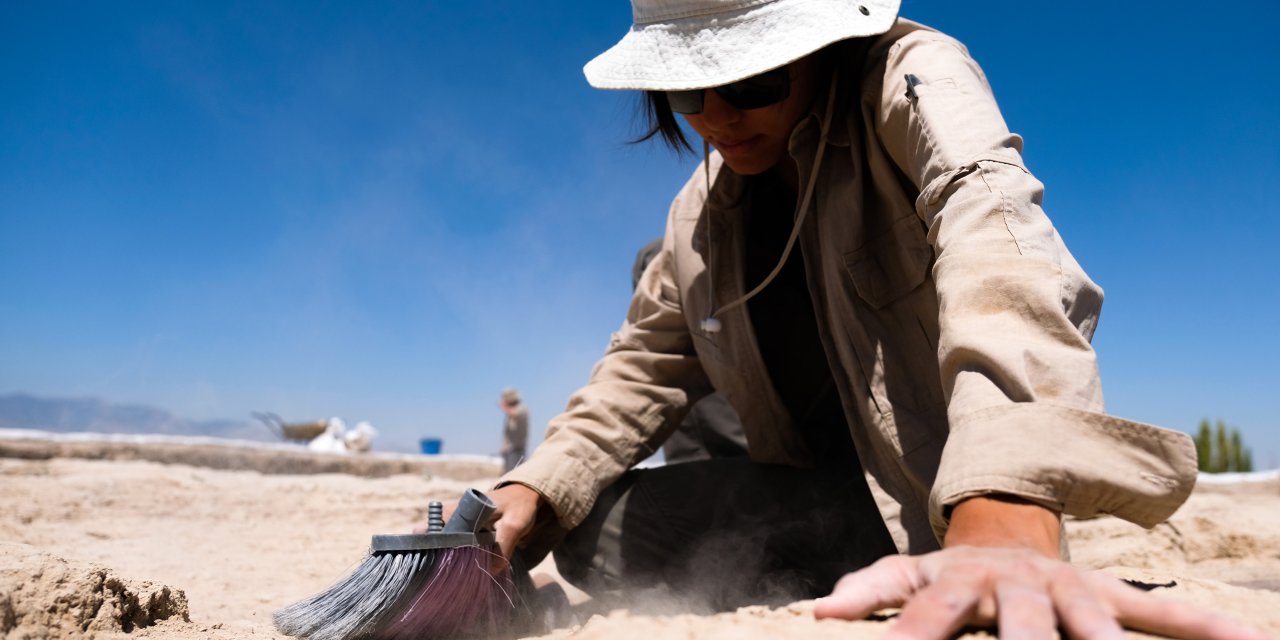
(999, 567)
(1022, 592)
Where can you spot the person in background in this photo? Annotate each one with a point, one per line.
(711, 429)
(515, 429)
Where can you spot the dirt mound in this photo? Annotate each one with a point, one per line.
(44, 596)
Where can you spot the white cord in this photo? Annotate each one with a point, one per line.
(712, 324)
(709, 324)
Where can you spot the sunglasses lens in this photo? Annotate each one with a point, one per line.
(688, 102)
(770, 87)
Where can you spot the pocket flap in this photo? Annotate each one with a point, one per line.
(891, 265)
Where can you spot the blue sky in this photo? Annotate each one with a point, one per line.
(388, 211)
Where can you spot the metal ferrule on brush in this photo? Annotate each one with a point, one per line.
(462, 530)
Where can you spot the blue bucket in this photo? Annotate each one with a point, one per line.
(431, 446)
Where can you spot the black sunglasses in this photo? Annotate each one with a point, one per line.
(770, 87)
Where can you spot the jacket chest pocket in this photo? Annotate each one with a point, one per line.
(892, 265)
(896, 334)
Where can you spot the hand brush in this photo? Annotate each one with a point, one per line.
(436, 584)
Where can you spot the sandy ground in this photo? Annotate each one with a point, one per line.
(94, 543)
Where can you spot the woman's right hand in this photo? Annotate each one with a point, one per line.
(512, 520)
(514, 517)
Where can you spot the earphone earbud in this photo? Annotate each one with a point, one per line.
(710, 325)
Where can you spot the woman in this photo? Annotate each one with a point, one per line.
(911, 365)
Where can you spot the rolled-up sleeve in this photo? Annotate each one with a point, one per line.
(637, 394)
(1016, 312)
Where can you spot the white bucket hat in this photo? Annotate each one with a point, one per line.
(694, 44)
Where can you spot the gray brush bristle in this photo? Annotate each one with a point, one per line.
(358, 605)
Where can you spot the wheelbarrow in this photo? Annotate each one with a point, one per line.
(292, 431)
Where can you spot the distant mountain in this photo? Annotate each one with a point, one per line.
(23, 411)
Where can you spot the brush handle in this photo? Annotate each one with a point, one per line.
(472, 513)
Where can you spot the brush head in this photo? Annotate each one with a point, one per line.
(433, 593)
(437, 584)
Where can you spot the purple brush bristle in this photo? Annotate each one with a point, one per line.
(463, 597)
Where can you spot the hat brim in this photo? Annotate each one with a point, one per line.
(708, 51)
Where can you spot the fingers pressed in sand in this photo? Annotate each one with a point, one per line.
(1082, 611)
(886, 583)
(939, 610)
(1024, 609)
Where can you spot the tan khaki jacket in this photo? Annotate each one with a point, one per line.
(956, 322)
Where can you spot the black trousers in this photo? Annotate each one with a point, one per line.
(724, 533)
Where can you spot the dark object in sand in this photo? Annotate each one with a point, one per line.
(431, 585)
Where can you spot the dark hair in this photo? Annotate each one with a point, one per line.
(660, 122)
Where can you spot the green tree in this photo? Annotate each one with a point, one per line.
(1241, 457)
(1220, 449)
